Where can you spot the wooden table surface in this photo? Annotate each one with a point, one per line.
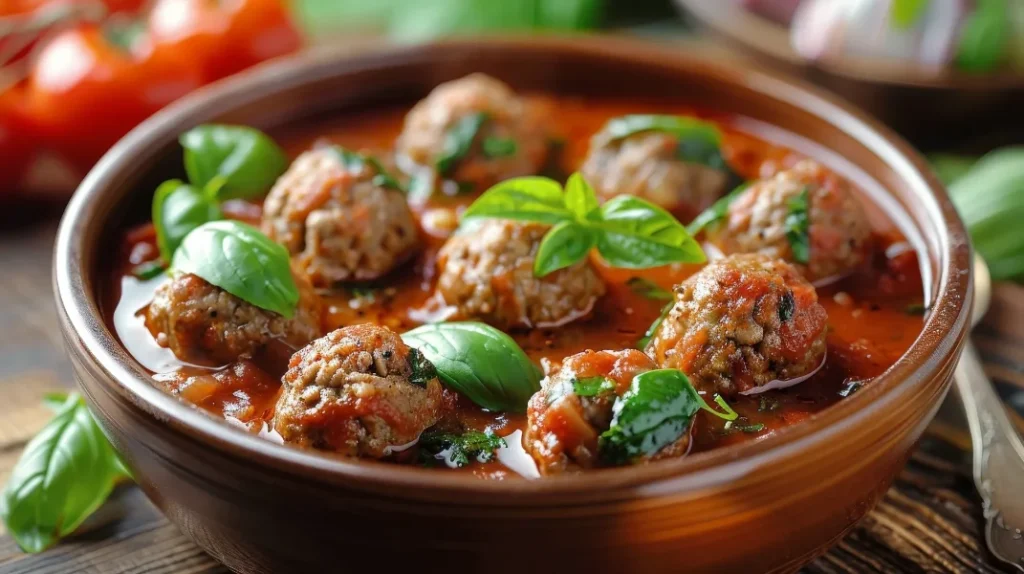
(930, 521)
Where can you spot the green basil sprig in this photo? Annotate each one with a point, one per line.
(798, 225)
(655, 412)
(242, 261)
(178, 208)
(716, 212)
(461, 449)
(65, 473)
(244, 160)
(458, 140)
(649, 333)
(592, 386)
(479, 361)
(354, 161)
(649, 289)
(627, 231)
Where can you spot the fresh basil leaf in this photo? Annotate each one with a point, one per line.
(242, 261)
(55, 400)
(649, 289)
(682, 127)
(951, 167)
(479, 361)
(905, 13)
(178, 208)
(536, 199)
(423, 371)
(565, 245)
(356, 162)
(458, 140)
(984, 36)
(798, 225)
(592, 386)
(149, 270)
(580, 197)
(460, 449)
(636, 234)
(655, 412)
(499, 147)
(649, 334)
(716, 212)
(65, 473)
(246, 159)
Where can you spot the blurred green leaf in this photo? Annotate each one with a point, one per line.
(412, 20)
(951, 167)
(990, 199)
(984, 36)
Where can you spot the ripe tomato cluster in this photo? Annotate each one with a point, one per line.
(86, 82)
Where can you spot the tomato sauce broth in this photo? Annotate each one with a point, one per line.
(873, 316)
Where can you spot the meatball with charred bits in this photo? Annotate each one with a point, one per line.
(742, 325)
(341, 221)
(648, 166)
(566, 417)
(474, 130)
(487, 274)
(358, 391)
(204, 324)
(806, 215)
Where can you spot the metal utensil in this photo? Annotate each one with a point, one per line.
(998, 450)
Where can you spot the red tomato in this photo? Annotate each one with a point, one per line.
(224, 36)
(85, 92)
(17, 145)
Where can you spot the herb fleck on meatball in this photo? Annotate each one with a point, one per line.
(359, 391)
(838, 234)
(648, 166)
(487, 274)
(742, 324)
(203, 323)
(340, 223)
(510, 140)
(574, 406)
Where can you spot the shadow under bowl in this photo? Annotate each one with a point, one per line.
(768, 505)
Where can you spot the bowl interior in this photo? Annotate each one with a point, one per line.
(119, 191)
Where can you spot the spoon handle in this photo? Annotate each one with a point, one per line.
(998, 460)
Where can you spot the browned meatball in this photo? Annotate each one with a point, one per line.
(510, 142)
(358, 391)
(838, 233)
(647, 165)
(203, 323)
(563, 427)
(487, 274)
(339, 223)
(743, 324)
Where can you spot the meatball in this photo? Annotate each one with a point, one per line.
(563, 426)
(743, 324)
(339, 222)
(510, 142)
(203, 323)
(358, 391)
(838, 233)
(487, 274)
(647, 165)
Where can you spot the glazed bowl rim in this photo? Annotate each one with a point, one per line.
(84, 327)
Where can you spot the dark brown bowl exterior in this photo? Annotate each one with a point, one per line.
(260, 507)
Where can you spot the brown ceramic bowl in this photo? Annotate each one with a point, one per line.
(936, 109)
(769, 505)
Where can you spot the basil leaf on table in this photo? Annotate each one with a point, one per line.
(716, 212)
(241, 161)
(178, 208)
(655, 412)
(636, 234)
(798, 225)
(566, 244)
(242, 261)
(65, 473)
(536, 199)
(479, 361)
(458, 140)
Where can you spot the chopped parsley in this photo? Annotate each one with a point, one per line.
(495, 147)
(461, 449)
(733, 426)
(422, 369)
(458, 140)
(787, 306)
(798, 224)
